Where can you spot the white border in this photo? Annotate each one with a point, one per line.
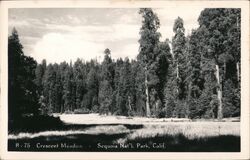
(244, 154)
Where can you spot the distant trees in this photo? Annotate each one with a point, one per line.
(92, 85)
(198, 78)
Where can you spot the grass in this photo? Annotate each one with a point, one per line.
(199, 136)
(191, 130)
(89, 142)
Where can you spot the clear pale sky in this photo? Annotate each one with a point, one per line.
(67, 34)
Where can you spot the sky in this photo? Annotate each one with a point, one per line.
(65, 34)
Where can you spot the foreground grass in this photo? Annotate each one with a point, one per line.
(138, 135)
(190, 130)
(174, 137)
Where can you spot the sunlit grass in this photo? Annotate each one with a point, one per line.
(191, 130)
(108, 130)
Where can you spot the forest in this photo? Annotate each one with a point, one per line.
(194, 76)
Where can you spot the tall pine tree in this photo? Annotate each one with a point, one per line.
(146, 58)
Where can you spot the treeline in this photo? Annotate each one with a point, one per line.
(197, 76)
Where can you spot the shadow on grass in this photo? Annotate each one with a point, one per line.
(34, 124)
(49, 123)
(179, 143)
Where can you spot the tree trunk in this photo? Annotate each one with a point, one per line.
(129, 103)
(177, 76)
(219, 93)
(225, 69)
(237, 23)
(188, 100)
(238, 72)
(61, 108)
(147, 94)
(224, 74)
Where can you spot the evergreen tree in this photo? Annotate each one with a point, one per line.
(118, 87)
(178, 47)
(68, 89)
(140, 96)
(49, 89)
(80, 82)
(106, 84)
(147, 57)
(194, 79)
(63, 69)
(126, 88)
(22, 95)
(218, 23)
(162, 63)
(92, 86)
(40, 70)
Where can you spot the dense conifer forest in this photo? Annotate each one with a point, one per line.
(194, 76)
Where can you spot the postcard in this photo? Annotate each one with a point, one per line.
(124, 80)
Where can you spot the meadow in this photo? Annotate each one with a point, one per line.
(92, 132)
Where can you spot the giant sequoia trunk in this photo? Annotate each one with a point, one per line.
(219, 93)
(147, 94)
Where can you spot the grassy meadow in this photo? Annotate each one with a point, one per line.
(111, 133)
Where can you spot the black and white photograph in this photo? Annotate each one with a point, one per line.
(119, 79)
